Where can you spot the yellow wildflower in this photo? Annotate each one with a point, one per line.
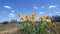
(48, 21)
(39, 19)
(33, 21)
(26, 20)
(19, 15)
(42, 17)
(46, 17)
(33, 15)
(26, 16)
(30, 16)
(22, 18)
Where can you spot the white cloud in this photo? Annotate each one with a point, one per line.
(50, 14)
(11, 15)
(12, 11)
(8, 7)
(35, 7)
(41, 12)
(57, 12)
(42, 7)
(52, 6)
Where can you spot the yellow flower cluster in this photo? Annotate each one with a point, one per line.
(45, 17)
(27, 18)
(32, 18)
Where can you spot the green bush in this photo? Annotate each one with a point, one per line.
(13, 21)
(55, 18)
(5, 22)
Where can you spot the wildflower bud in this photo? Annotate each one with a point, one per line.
(42, 17)
(22, 18)
(19, 15)
(46, 17)
(30, 16)
(33, 15)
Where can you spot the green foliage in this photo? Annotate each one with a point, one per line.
(31, 28)
(5, 22)
(13, 21)
(56, 18)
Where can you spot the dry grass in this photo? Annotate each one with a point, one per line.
(8, 26)
(54, 27)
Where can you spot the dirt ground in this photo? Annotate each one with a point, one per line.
(10, 31)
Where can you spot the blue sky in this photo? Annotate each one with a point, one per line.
(9, 9)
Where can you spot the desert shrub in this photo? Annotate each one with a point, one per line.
(5, 22)
(56, 18)
(13, 21)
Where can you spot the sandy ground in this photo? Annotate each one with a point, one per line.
(10, 31)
